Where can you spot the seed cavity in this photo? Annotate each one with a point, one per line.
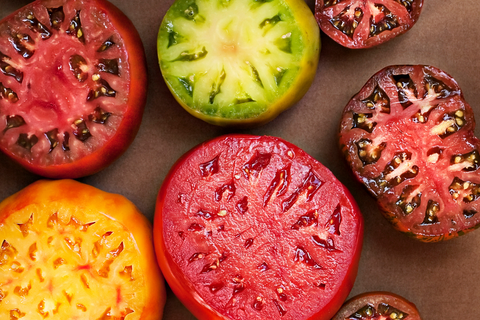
(209, 168)
(16, 314)
(107, 44)
(248, 243)
(99, 116)
(196, 227)
(258, 303)
(464, 190)
(79, 67)
(188, 83)
(308, 219)
(228, 188)
(346, 21)
(362, 121)
(13, 121)
(23, 44)
(109, 259)
(431, 212)
(450, 123)
(242, 205)
(467, 162)
(279, 183)
(410, 199)
(51, 136)
(333, 223)
(281, 309)
(103, 90)
(26, 227)
(263, 267)
(391, 312)
(405, 88)
(80, 130)
(383, 21)
(302, 255)
(75, 28)
(436, 87)
(214, 265)
(369, 153)
(278, 74)
(217, 86)
(191, 56)
(256, 164)
(329, 3)
(378, 100)
(197, 256)
(57, 16)
(8, 94)
(284, 43)
(37, 26)
(27, 142)
(8, 70)
(327, 244)
(65, 143)
(109, 66)
(255, 74)
(310, 185)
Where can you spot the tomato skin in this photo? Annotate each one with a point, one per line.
(73, 194)
(374, 299)
(361, 39)
(183, 287)
(127, 130)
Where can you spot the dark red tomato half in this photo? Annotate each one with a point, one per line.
(379, 306)
(250, 227)
(408, 135)
(72, 86)
(360, 24)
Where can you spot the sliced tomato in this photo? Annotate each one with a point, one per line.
(366, 23)
(72, 86)
(71, 251)
(250, 227)
(379, 306)
(408, 135)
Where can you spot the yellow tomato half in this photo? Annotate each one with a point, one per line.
(71, 251)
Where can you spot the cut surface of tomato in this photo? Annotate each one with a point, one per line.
(366, 23)
(71, 251)
(72, 86)
(250, 227)
(378, 305)
(408, 135)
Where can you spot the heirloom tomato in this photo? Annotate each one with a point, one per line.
(72, 86)
(71, 251)
(250, 227)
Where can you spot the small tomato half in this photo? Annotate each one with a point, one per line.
(250, 227)
(72, 251)
(72, 86)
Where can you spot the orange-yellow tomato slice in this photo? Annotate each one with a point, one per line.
(71, 251)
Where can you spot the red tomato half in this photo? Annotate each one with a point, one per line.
(378, 306)
(72, 86)
(366, 23)
(250, 227)
(408, 136)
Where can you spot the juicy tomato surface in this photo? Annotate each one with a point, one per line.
(250, 227)
(378, 305)
(72, 86)
(71, 251)
(360, 24)
(408, 135)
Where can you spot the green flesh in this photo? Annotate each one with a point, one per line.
(230, 59)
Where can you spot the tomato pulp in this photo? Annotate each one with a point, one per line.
(250, 227)
(71, 251)
(408, 136)
(358, 24)
(72, 86)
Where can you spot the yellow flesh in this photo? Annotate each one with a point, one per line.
(69, 263)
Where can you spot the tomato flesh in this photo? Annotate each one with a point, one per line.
(378, 306)
(66, 253)
(363, 24)
(65, 83)
(255, 228)
(409, 137)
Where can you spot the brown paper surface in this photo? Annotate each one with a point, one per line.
(441, 278)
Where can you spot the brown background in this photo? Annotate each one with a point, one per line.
(442, 279)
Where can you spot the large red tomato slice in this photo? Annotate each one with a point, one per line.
(378, 305)
(71, 251)
(72, 86)
(250, 227)
(409, 137)
(366, 23)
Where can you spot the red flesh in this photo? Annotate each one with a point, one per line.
(360, 24)
(59, 69)
(428, 135)
(237, 240)
(380, 305)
